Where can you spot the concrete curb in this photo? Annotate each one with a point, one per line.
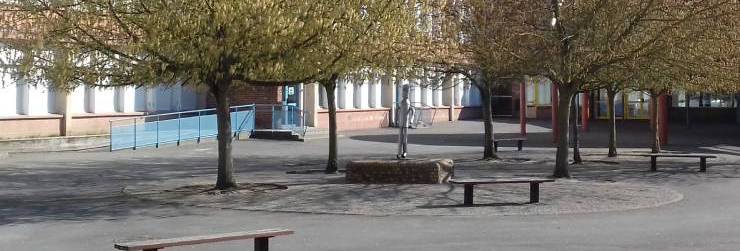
(54, 144)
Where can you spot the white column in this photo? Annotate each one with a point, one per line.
(340, 94)
(415, 93)
(103, 100)
(176, 98)
(323, 102)
(448, 91)
(8, 96)
(141, 99)
(345, 97)
(388, 89)
(399, 89)
(300, 96)
(78, 100)
(425, 91)
(188, 98)
(125, 99)
(466, 94)
(474, 97)
(311, 103)
(38, 100)
(459, 90)
(89, 100)
(374, 99)
(360, 93)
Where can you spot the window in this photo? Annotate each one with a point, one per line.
(544, 92)
(703, 100)
(538, 91)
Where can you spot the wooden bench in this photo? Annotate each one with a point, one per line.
(261, 240)
(702, 159)
(534, 186)
(519, 143)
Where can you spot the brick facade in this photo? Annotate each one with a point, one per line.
(260, 95)
(245, 95)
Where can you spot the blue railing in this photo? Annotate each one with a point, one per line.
(168, 128)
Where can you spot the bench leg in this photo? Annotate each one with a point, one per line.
(653, 164)
(703, 165)
(468, 201)
(261, 244)
(534, 192)
(495, 146)
(519, 145)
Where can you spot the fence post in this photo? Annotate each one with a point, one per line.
(199, 112)
(235, 126)
(134, 133)
(111, 135)
(178, 128)
(157, 143)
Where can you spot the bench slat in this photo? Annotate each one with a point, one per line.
(679, 155)
(511, 139)
(500, 181)
(190, 240)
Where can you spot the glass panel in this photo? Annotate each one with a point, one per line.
(679, 99)
(603, 100)
(706, 100)
(530, 93)
(543, 92)
(721, 101)
(619, 105)
(694, 101)
(637, 105)
(291, 93)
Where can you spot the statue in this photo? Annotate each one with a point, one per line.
(405, 118)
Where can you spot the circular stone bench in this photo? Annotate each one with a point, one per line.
(426, 171)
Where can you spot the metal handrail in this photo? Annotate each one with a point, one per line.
(175, 127)
(238, 127)
(190, 111)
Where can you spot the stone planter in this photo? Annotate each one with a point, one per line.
(428, 171)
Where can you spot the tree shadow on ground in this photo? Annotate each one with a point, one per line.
(496, 204)
(630, 134)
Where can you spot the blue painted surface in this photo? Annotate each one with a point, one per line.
(172, 128)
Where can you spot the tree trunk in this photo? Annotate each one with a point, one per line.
(561, 157)
(611, 94)
(737, 108)
(654, 124)
(225, 179)
(488, 150)
(574, 125)
(330, 85)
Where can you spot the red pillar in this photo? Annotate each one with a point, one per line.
(523, 108)
(663, 118)
(585, 110)
(554, 109)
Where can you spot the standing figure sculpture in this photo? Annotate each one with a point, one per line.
(405, 116)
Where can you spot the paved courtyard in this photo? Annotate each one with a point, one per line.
(88, 200)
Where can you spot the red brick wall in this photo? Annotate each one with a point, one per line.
(468, 113)
(246, 95)
(29, 127)
(544, 112)
(49, 125)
